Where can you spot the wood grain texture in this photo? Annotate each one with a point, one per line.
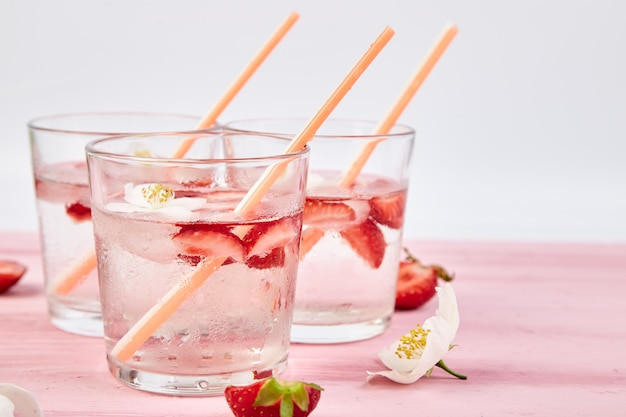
(542, 334)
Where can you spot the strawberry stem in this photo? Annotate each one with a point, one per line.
(439, 270)
(409, 256)
(442, 273)
(441, 364)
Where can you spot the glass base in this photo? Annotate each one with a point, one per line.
(338, 333)
(187, 385)
(80, 322)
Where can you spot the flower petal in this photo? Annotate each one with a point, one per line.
(391, 360)
(134, 195)
(448, 308)
(437, 343)
(6, 406)
(25, 403)
(395, 376)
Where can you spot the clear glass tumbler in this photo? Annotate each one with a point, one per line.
(197, 257)
(352, 226)
(64, 209)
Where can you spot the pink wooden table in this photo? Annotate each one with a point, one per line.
(542, 333)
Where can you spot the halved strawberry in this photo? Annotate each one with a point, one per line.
(389, 210)
(417, 282)
(273, 398)
(78, 212)
(327, 215)
(263, 237)
(10, 273)
(368, 241)
(209, 240)
(275, 258)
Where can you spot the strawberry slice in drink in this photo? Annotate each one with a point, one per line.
(389, 210)
(78, 212)
(265, 242)
(327, 215)
(208, 240)
(275, 258)
(368, 241)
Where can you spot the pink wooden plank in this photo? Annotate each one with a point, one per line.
(541, 334)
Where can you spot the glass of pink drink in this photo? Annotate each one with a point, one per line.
(64, 209)
(159, 223)
(352, 232)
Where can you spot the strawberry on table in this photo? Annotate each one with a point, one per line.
(10, 273)
(368, 241)
(273, 398)
(389, 210)
(417, 282)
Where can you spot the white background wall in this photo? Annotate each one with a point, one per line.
(521, 126)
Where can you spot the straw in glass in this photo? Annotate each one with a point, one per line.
(75, 274)
(311, 236)
(160, 312)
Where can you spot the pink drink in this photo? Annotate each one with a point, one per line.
(197, 270)
(342, 292)
(235, 327)
(64, 208)
(64, 211)
(353, 220)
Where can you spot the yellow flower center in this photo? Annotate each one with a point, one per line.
(412, 345)
(145, 153)
(157, 195)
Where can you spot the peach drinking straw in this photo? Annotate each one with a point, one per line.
(312, 235)
(73, 276)
(159, 313)
(403, 100)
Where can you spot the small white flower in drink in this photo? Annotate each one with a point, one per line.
(155, 197)
(416, 353)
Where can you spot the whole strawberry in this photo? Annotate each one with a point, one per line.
(273, 398)
(416, 282)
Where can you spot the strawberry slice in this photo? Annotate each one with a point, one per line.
(417, 282)
(273, 398)
(78, 212)
(368, 241)
(275, 258)
(10, 273)
(209, 240)
(389, 210)
(327, 215)
(262, 238)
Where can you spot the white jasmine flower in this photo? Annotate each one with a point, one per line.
(17, 399)
(155, 197)
(416, 353)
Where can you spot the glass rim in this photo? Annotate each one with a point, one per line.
(90, 149)
(39, 123)
(405, 129)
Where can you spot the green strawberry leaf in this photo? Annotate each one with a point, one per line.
(286, 406)
(270, 393)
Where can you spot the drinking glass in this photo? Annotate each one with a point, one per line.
(64, 211)
(352, 226)
(197, 257)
